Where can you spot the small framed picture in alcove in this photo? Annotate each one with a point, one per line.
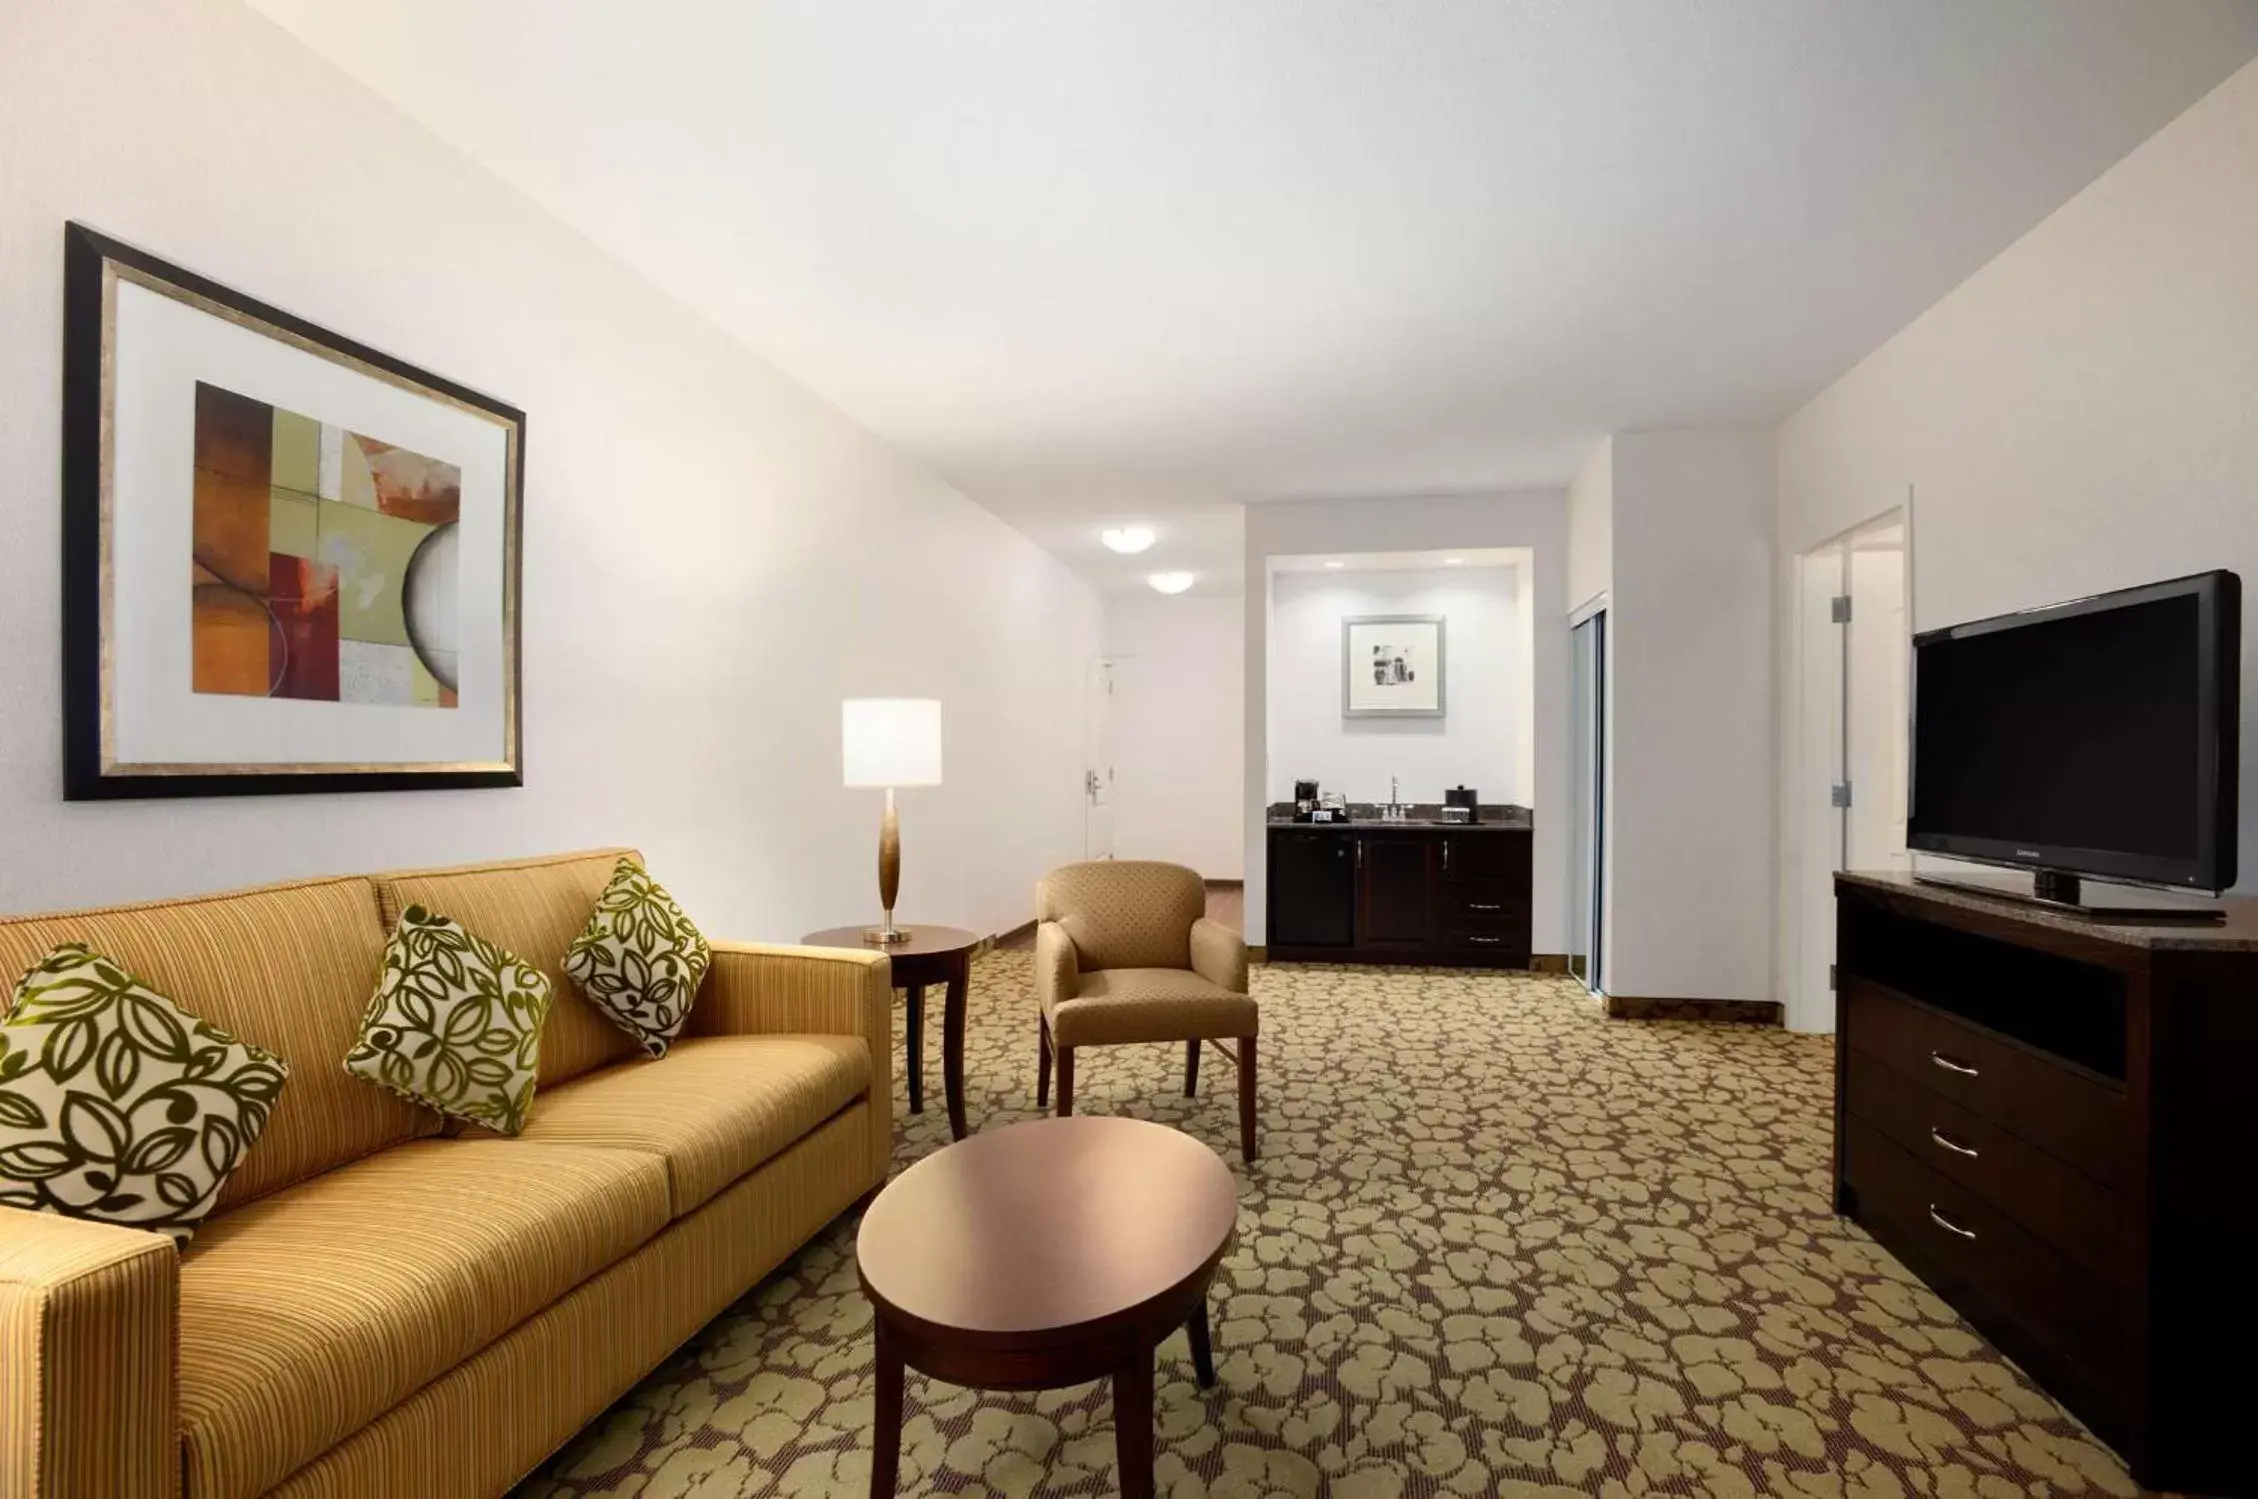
(1392, 666)
(290, 562)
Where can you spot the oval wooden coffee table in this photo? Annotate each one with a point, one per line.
(1046, 1254)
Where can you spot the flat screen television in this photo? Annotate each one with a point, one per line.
(2095, 737)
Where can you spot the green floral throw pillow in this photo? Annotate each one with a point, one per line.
(455, 1024)
(118, 1105)
(639, 959)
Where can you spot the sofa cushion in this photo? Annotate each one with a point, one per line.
(455, 1023)
(640, 959)
(311, 1312)
(713, 1110)
(1150, 1004)
(118, 1105)
(533, 907)
(287, 968)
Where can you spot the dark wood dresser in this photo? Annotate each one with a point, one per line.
(2055, 1124)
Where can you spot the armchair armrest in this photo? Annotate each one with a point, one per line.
(1058, 967)
(1219, 955)
(89, 1328)
(761, 989)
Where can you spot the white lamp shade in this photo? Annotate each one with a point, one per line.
(890, 741)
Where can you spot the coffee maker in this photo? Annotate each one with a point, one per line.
(1305, 801)
(1461, 804)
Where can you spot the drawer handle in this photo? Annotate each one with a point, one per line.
(1957, 1147)
(1486, 941)
(1949, 1065)
(1475, 905)
(1950, 1227)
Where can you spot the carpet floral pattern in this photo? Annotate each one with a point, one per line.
(1497, 1244)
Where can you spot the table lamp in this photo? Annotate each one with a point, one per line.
(890, 742)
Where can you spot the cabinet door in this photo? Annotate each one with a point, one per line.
(1395, 892)
(1312, 889)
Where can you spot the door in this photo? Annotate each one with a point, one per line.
(1097, 774)
(1587, 799)
(1848, 788)
(1395, 891)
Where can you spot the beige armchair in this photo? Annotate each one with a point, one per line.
(1124, 952)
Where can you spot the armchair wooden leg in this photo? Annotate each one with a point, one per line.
(1043, 1063)
(1065, 1080)
(1191, 1069)
(1246, 1097)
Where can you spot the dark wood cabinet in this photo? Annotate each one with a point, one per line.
(2052, 1123)
(1421, 893)
(1395, 893)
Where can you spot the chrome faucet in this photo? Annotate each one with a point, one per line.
(1394, 811)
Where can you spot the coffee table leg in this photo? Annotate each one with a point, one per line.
(886, 1437)
(952, 1046)
(1133, 1425)
(917, 1048)
(1203, 1357)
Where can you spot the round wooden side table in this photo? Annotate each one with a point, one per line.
(932, 955)
(1046, 1254)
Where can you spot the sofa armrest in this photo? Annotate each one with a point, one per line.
(761, 989)
(89, 1330)
(1219, 955)
(1058, 967)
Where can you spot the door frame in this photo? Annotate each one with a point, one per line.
(1593, 897)
(1819, 684)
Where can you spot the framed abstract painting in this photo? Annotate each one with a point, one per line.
(290, 562)
(1392, 666)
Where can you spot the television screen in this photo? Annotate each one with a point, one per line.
(2096, 737)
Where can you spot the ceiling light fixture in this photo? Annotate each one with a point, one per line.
(1170, 582)
(1336, 564)
(1128, 539)
(1454, 561)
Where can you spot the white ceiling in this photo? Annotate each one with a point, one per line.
(1149, 259)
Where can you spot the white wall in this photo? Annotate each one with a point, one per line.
(713, 557)
(1179, 729)
(1591, 527)
(1535, 519)
(1692, 791)
(2079, 414)
(1487, 694)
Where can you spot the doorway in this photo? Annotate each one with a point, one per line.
(1853, 642)
(1097, 774)
(1587, 800)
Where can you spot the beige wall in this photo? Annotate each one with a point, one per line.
(713, 557)
(2079, 415)
(1591, 527)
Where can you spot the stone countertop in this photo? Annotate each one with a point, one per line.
(1426, 818)
(2238, 933)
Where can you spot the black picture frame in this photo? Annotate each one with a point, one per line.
(92, 263)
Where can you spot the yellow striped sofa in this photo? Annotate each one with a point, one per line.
(385, 1305)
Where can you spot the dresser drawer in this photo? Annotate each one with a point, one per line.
(1506, 942)
(1482, 902)
(1959, 1242)
(1503, 857)
(2074, 1116)
(2088, 1222)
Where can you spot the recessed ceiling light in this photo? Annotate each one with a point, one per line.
(1336, 564)
(1170, 582)
(1127, 539)
(1454, 561)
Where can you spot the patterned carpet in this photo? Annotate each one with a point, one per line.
(1496, 1245)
